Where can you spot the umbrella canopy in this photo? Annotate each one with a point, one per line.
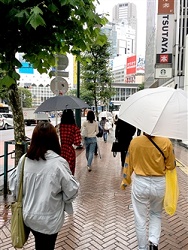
(61, 102)
(106, 114)
(158, 111)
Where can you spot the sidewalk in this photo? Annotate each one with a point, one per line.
(103, 218)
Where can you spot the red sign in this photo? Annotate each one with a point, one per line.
(131, 65)
(164, 58)
(165, 7)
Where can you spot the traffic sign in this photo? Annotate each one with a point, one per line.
(59, 86)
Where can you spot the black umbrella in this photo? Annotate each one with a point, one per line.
(61, 102)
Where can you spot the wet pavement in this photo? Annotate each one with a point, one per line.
(103, 215)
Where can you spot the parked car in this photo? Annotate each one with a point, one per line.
(6, 120)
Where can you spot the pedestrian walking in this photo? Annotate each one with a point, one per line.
(70, 135)
(105, 125)
(48, 186)
(90, 126)
(124, 133)
(148, 186)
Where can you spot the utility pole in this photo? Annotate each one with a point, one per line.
(78, 111)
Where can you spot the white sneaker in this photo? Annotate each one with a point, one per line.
(89, 168)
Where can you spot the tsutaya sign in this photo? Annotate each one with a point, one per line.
(165, 26)
(164, 39)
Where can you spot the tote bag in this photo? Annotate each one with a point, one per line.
(19, 233)
(171, 192)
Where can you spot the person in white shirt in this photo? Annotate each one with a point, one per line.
(90, 141)
(48, 186)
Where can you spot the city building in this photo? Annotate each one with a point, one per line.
(165, 58)
(127, 13)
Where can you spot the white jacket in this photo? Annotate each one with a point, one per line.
(48, 190)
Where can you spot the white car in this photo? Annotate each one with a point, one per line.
(6, 120)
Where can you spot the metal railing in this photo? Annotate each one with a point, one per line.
(6, 154)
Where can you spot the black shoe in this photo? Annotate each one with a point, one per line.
(152, 246)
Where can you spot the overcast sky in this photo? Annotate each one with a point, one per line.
(106, 7)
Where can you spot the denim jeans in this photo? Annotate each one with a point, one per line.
(147, 193)
(90, 144)
(105, 134)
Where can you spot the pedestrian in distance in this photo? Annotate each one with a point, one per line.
(90, 139)
(148, 185)
(48, 186)
(70, 135)
(104, 122)
(124, 133)
(100, 134)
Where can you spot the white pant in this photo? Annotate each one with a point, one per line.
(147, 194)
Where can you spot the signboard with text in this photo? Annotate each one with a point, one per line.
(165, 7)
(131, 65)
(165, 27)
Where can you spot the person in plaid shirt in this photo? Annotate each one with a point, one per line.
(69, 135)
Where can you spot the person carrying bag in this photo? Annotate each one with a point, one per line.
(172, 187)
(49, 187)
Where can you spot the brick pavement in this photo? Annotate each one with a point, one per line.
(103, 218)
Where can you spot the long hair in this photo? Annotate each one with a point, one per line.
(44, 138)
(90, 116)
(68, 117)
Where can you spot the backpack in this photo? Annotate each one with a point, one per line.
(100, 134)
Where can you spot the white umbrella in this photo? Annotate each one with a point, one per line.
(158, 111)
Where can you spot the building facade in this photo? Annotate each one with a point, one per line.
(174, 29)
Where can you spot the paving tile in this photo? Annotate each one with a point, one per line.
(103, 218)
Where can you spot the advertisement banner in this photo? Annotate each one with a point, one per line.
(131, 65)
(165, 7)
(140, 67)
(163, 72)
(165, 28)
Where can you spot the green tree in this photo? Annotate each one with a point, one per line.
(25, 97)
(141, 86)
(96, 75)
(41, 29)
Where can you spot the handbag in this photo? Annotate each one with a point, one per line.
(116, 147)
(100, 134)
(172, 187)
(19, 232)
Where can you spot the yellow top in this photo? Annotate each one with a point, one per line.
(145, 159)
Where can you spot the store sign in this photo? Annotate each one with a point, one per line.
(165, 7)
(164, 58)
(165, 27)
(163, 72)
(131, 65)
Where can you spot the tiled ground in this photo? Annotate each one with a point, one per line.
(103, 218)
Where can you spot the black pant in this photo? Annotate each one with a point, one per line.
(96, 149)
(123, 155)
(44, 241)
